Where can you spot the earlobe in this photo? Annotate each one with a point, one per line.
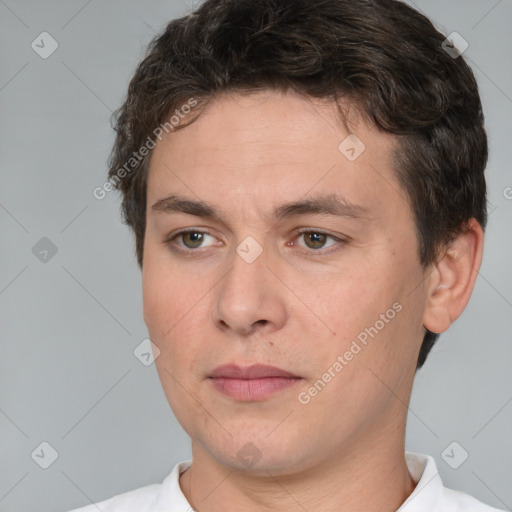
(452, 279)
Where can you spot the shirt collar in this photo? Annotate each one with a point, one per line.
(423, 470)
(429, 487)
(171, 497)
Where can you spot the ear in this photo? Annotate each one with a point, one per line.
(452, 279)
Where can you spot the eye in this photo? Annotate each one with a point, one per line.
(191, 239)
(316, 240)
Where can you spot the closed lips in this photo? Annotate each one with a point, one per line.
(256, 371)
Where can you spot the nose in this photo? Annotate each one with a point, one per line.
(250, 297)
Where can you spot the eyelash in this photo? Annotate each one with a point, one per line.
(169, 241)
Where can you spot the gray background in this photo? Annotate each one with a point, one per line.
(69, 326)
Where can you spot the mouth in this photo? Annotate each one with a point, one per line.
(252, 383)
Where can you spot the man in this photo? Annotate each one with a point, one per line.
(305, 181)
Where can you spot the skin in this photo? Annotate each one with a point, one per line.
(298, 305)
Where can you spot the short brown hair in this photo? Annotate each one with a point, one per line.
(380, 54)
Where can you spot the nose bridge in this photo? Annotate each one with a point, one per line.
(247, 294)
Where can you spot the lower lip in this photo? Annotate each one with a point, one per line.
(251, 390)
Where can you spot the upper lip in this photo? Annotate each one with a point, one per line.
(255, 371)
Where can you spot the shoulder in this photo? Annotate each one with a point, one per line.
(137, 500)
(150, 498)
(430, 493)
(457, 501)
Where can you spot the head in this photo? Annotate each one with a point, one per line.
(243, 107)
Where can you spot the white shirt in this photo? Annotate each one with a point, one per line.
(429, 495)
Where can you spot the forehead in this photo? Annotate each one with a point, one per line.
(276, 119)
(269, 143)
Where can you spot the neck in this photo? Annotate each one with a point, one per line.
(368, 473)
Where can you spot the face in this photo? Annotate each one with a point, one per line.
(272, 240)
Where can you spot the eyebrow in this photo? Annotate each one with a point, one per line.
(331, 204)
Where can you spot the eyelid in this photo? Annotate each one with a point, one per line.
(337, 238)
(169, 240)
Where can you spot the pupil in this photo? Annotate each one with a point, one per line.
(196, 238)
(317, 238)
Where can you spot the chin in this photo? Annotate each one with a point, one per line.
(259, 455)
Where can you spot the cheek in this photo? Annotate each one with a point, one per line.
(373, 315)
(173, 310)
(166, 296)
(156, 304)
(362, 366)
(357, 300)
